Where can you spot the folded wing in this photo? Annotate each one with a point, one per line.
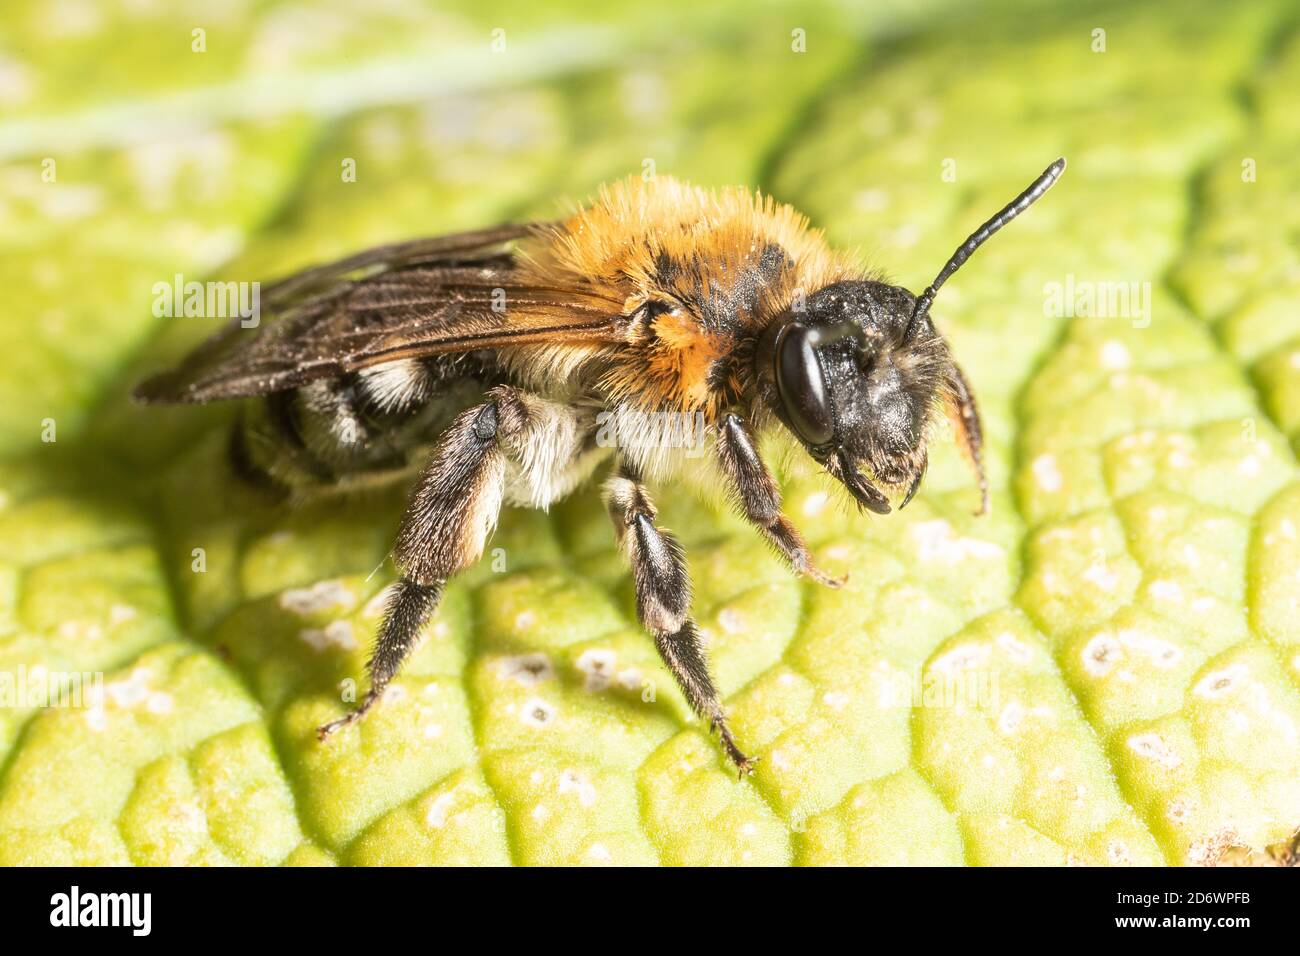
(425, 297)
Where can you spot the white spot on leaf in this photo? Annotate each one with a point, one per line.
(1152, 746)
(1047, 474)
(335, 634)
(573, 782)
(527, 669)
(1221, 683)
(537, 712)
(598, 666)
(318, 599)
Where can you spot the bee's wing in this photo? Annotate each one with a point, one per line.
(425, 297)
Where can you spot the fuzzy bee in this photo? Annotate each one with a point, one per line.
(508, 364)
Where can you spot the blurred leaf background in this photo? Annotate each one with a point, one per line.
(1131, 604)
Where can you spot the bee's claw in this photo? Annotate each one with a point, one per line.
(744, 766)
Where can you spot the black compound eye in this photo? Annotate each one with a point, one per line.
(802, 386)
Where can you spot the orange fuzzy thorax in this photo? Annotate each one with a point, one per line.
(662, 243)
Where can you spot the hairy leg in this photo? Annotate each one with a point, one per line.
(759, 499)
(663, 598)
(453, 510)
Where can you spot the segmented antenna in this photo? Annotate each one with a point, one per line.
(1008, 212)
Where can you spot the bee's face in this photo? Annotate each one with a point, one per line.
(856, 386)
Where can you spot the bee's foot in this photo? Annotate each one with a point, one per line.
(324, 731)
(830, 580)
(744, 764)
(803, 565)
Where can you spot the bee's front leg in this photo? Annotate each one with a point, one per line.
(759, 499)
(970, 433)
(663, 599)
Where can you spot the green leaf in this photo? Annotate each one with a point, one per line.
(1104, 670)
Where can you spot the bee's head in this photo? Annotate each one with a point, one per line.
(856, 372)
(855, 379)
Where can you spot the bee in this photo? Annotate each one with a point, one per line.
(506, 365)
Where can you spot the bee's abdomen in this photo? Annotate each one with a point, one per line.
(355, 429)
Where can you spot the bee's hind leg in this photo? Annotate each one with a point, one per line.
(409, 606)
(663, 598)
(453, 510)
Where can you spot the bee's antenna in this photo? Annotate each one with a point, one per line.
(1008, 212)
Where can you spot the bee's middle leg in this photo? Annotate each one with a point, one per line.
(663, 599)
(759, 499)
(453, 510)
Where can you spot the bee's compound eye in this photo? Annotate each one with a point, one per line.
(802, 386)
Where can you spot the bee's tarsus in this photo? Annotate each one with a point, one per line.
(409, 607)
(325, 731)
(744, 764)
(832, 581)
